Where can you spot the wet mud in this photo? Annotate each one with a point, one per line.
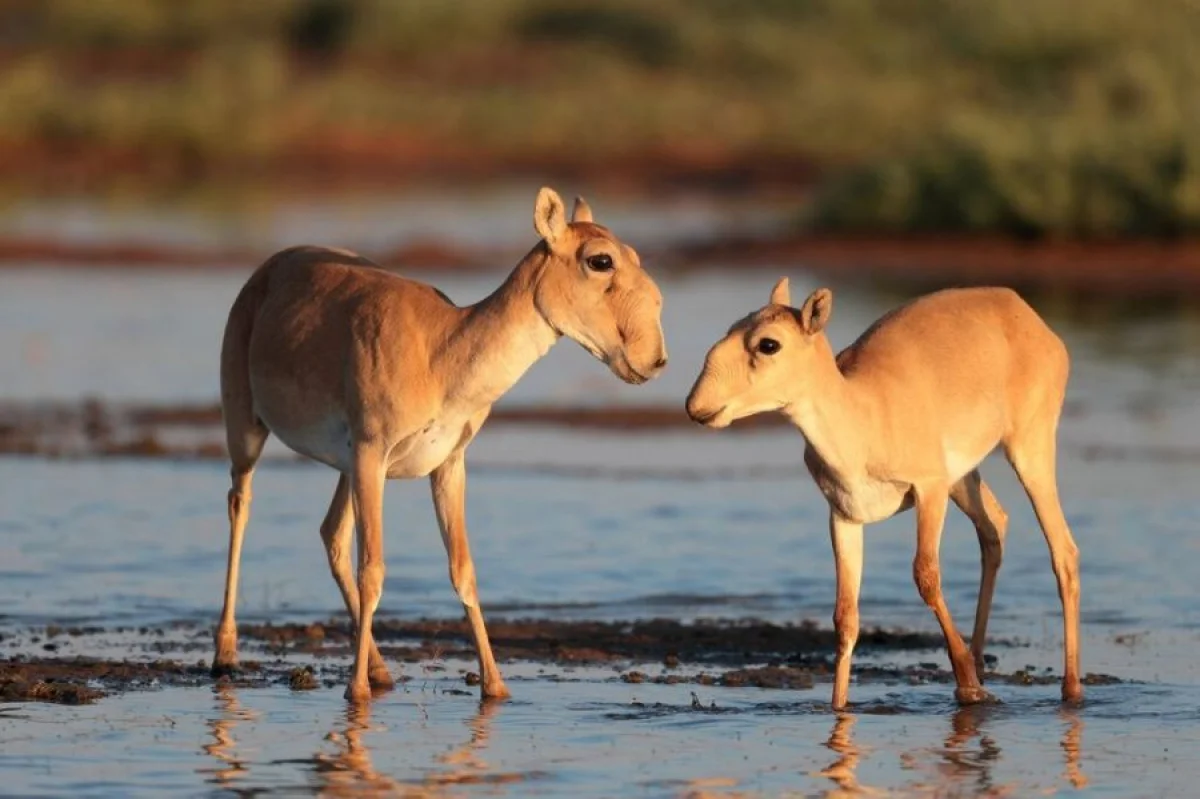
(92, 428)
(304, 657)
(95, 429)
(1101, 270)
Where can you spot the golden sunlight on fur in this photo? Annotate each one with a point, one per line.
(383, 377)
(902, 418)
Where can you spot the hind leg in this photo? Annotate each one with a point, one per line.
(976, 500)
(1032, 455)
(931, 504)
(245, 446)
(336, 534)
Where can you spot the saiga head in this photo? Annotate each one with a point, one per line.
(593, 290)
(765, 362)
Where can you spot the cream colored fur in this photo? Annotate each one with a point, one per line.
(903, 417)
(383, 377)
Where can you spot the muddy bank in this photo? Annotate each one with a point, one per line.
(95, 429)
(310, 656)
(1167, 270)
(92, 428)
(1117, 269)
(591, 642)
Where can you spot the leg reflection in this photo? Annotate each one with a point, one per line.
(843, 771)
(963, 762)
(1072, 746)
(465, 760)
(221, 726)
(348, 771)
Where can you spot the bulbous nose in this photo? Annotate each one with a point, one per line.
(660, 364)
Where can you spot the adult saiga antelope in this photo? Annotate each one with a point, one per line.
(902, 418)
(382, 377)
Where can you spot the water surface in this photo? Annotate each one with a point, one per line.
(683, 524)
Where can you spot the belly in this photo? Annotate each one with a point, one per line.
(424, 451)
(326, 440)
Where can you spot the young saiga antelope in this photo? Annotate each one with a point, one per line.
(382, 377)
(902, 418)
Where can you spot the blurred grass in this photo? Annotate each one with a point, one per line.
(1025, 117)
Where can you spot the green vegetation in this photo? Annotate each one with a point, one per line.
(1029, 117)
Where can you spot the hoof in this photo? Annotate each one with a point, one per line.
(358, 693)
(495, 690)
(974, 695)
(1072, 693)
(224, 667)
(381, 679)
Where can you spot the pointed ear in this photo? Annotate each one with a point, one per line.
(781, 294)
(549, 215)
(815, 313)
(582, 212)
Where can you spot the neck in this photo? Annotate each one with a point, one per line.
(832, 421)
(498, 338)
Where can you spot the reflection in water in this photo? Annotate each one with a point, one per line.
(230, 712)
(964, 762)
(842, 770)
(465, 763)
(1072, 746)
(349, 771)
(964, 765)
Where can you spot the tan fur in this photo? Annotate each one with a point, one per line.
(383, 377)
(903, 417)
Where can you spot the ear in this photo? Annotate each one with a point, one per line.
(582, 211)
(781, 294)
(549, 215)
(815, 313)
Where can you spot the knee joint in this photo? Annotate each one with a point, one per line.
(462, 577)
(239, 501)
(370, 577)
(845, 623)
(928, 580)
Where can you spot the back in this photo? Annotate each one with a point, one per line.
(955, 351)
(321, 308)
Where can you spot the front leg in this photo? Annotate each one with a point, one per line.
(449, 484)
(848, 557)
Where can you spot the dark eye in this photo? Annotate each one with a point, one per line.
(768, 346)
(600, 263)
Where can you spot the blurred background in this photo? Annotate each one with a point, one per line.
(1064, 118)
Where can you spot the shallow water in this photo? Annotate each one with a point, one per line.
(575, 524)
(599, 738)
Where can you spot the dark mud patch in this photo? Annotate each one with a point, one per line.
(82, 680)
(303, 657)
(92, 428)
(666, 641)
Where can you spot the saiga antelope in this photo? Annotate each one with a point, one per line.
(383, 377)
(902, 418)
